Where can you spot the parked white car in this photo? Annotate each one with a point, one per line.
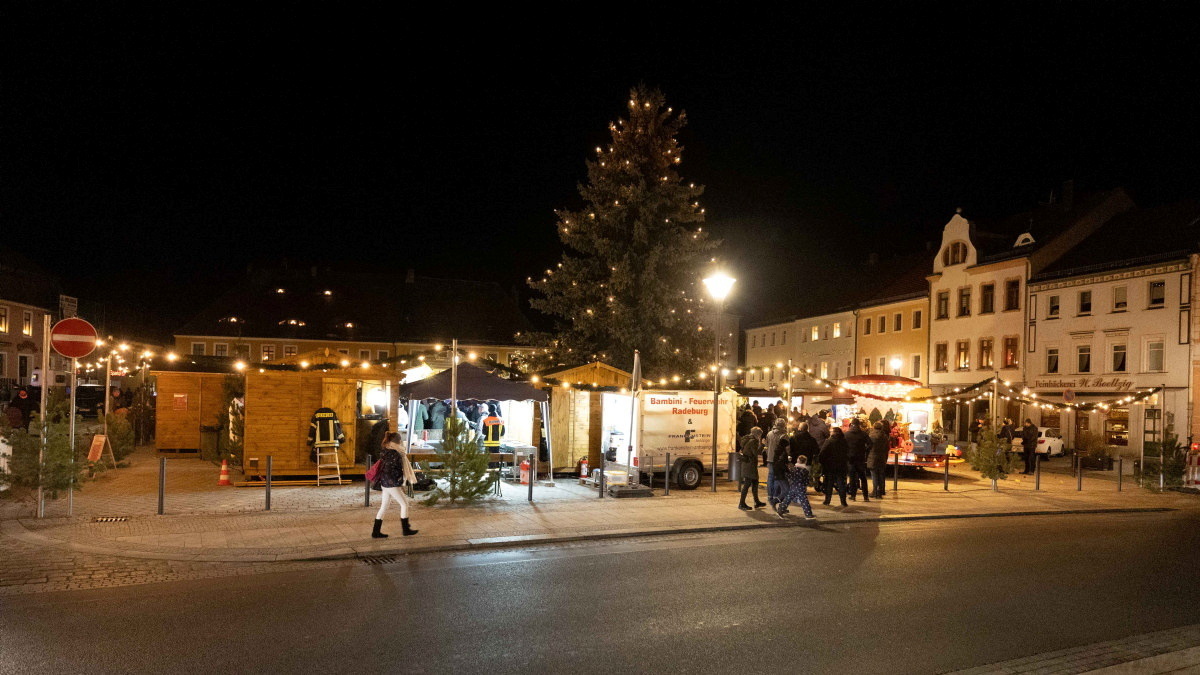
(1049, 442)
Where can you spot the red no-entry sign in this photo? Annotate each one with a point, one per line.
(73, 338)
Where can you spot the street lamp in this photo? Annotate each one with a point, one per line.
(897, 362)
(718, 284)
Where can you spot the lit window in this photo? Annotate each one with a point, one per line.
(3, 319)
(816, 333)
(1010, 352)
(962, 360)
(837, 329)
(268, 352)
(289, 350)
(985, 353)
(26, 323)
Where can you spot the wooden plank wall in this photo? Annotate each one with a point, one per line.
(279, 406)
(570, 425)
(180, 429)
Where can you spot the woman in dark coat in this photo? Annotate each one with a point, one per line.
(834, 458)
(877, 459)
(860, 447)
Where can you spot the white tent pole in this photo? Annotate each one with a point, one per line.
(453, 375)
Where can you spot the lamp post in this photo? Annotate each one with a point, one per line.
(897, 363)
(719, 284)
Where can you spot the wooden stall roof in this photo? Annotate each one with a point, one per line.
(598, 372)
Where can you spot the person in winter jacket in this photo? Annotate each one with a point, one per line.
(775, 438)
(778, 472)
(750, 450)
(834, 457)
(1005, 436)
(1029, 439)
(859, 447)
(877, 459)
(818, 428)
(746, 421)
(796, 489)
(802, 444)
(394, 471)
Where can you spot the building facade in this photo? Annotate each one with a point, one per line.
(27, 296)
(818, 347)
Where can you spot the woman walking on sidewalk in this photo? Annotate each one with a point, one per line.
(394, 472)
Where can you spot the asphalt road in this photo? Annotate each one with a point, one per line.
(915, 597)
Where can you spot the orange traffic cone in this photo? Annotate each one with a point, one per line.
(224, 474)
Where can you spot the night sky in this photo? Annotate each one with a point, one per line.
(150, 155)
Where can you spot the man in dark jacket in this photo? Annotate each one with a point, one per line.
(781, 466)
(750, 450)
(859, 447)
(1029, 439)
(877, 459)
(818, 428)
(834, 456)
(802, 443)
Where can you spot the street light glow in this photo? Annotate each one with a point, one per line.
(719, 284)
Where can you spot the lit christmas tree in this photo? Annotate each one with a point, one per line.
(629, 278)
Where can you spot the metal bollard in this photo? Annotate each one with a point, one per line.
(946, 475)
(268, 484)
(601, 481)
(162, 483)
(1079, 477)
(1120, 472)
(367, 485)
(667, 473)
(532, 474)
(896, 477)
(1037, 472)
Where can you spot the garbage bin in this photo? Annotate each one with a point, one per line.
(209, 442)
(735, 467)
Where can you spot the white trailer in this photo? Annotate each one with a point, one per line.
(676, 422)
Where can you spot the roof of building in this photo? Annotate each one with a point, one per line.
(1132, 239)
(995, 239)
(362, 306)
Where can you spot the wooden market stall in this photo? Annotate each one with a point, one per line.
(576, 414)
(280, 405)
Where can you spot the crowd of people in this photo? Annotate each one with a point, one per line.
(797, 445)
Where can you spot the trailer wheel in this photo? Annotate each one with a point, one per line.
(688, 476)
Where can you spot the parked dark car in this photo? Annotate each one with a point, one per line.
(89, 400)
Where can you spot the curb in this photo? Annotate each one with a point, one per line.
(511, 542)
(14, 529)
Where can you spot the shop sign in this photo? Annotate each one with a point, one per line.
(1085, 383)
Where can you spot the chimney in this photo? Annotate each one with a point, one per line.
(1068, 194)
(410, 277)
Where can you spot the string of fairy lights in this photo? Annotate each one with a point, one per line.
(123, 358)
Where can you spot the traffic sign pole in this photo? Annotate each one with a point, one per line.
(43, 427)
(71, 435)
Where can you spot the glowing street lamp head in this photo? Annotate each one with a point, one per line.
(896, 363)
(719, 284)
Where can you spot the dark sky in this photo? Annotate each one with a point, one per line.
(149, 155)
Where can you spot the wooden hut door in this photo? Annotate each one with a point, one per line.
(342, 397)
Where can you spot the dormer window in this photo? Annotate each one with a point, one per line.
(955, 254)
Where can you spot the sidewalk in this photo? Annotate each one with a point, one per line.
(207, 523)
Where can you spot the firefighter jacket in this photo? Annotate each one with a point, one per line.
(324, 429)
(493, 430)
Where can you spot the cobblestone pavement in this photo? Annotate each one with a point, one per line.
(1169, 651)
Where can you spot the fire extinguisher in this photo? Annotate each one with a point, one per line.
(583, 469)
(525, 472)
